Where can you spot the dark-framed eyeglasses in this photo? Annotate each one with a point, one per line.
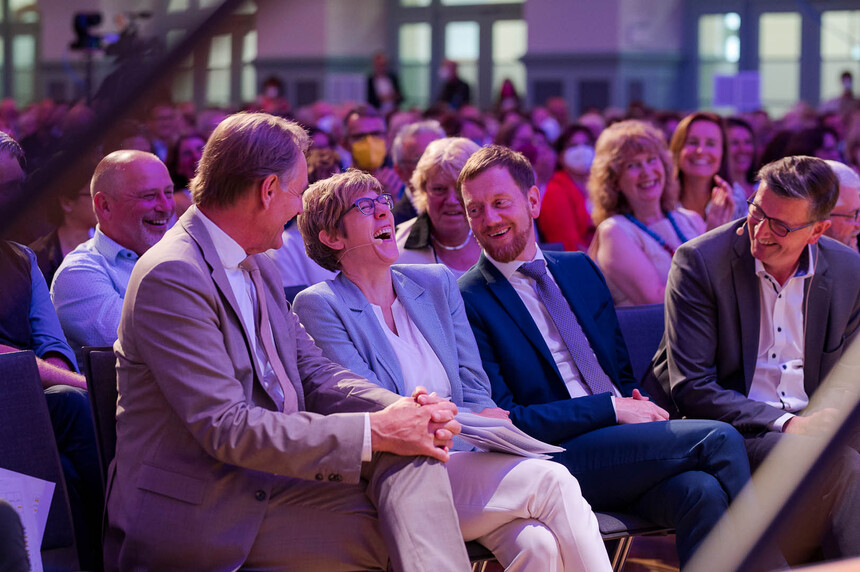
(366, 205)
(854, 215)
(777, 227)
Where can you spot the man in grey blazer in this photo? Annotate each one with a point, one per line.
(238, 444)
(757, 314)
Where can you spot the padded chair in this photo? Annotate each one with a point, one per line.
(479, 556)
(100, 371)
(291, 291)
(622, 529)
(27, 446)
(642, 328)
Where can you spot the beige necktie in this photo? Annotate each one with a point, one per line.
(282, 392)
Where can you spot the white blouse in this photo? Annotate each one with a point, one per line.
(418, 362)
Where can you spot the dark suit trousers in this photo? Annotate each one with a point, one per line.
(680, 474)
(828, 517)
(72, 422)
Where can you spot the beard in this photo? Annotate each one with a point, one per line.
(510, 250)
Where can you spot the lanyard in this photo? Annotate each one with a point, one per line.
(641, 226)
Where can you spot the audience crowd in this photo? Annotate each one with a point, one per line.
(441, 259)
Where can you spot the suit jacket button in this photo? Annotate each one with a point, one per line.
(260, 495)
(319, 476)
(334, 478)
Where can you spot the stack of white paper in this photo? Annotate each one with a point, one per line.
(490, 434)
(31, 497)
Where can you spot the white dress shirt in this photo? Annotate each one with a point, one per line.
(778, 378)
(231, 254)
(526, 289)
(418, 362)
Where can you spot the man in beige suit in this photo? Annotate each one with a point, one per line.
(229, 456)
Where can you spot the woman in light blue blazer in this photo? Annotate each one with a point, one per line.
(404, 328)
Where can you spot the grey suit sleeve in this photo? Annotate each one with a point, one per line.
(172, 327)
(474, 381)
(692, 344)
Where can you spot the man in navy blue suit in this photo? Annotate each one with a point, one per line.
(552, 348)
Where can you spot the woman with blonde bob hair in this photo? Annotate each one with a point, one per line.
(440, 233)
(639, 223)
(404, 328)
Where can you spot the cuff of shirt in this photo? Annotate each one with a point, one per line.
(612, 397)
(779, 424)
(366, 447)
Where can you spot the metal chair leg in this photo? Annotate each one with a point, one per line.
(621, 552)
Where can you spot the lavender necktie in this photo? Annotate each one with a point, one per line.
(281, 391)
(568, 326)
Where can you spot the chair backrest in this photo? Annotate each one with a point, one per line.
(291, 291)
(100, 371)
(642, 328)
(27, 442)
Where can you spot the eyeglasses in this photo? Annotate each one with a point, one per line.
(777, 227)
(366, 205)
(855, 216)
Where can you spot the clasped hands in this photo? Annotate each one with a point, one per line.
(422, 424)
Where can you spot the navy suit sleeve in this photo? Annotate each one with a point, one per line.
(550, 417)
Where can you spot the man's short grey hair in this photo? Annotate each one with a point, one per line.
(803, 177)
(847, 176)
(413, 130)
(242, 151)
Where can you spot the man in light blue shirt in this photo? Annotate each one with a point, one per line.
(133, 200)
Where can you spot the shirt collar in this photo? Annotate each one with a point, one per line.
(804, 268)
(508, 269)
(111, 249)
(229, 251)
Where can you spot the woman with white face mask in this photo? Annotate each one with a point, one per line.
(565, 210)
(639, 222)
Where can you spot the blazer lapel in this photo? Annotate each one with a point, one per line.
(746, 290)
(197, 230)
(384, 353)
(816, 303)
(424, 314)
(510, 302)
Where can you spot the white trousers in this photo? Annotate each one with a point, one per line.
(529, 513)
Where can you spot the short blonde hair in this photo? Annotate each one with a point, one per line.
(442, 156)
(616, 145)
(325, 203)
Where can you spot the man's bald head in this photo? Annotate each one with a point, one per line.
(133, 198)
(112, 171)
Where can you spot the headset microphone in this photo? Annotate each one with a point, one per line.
(740, 230)
(342, 254)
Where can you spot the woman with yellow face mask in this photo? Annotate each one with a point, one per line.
(364, 138)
